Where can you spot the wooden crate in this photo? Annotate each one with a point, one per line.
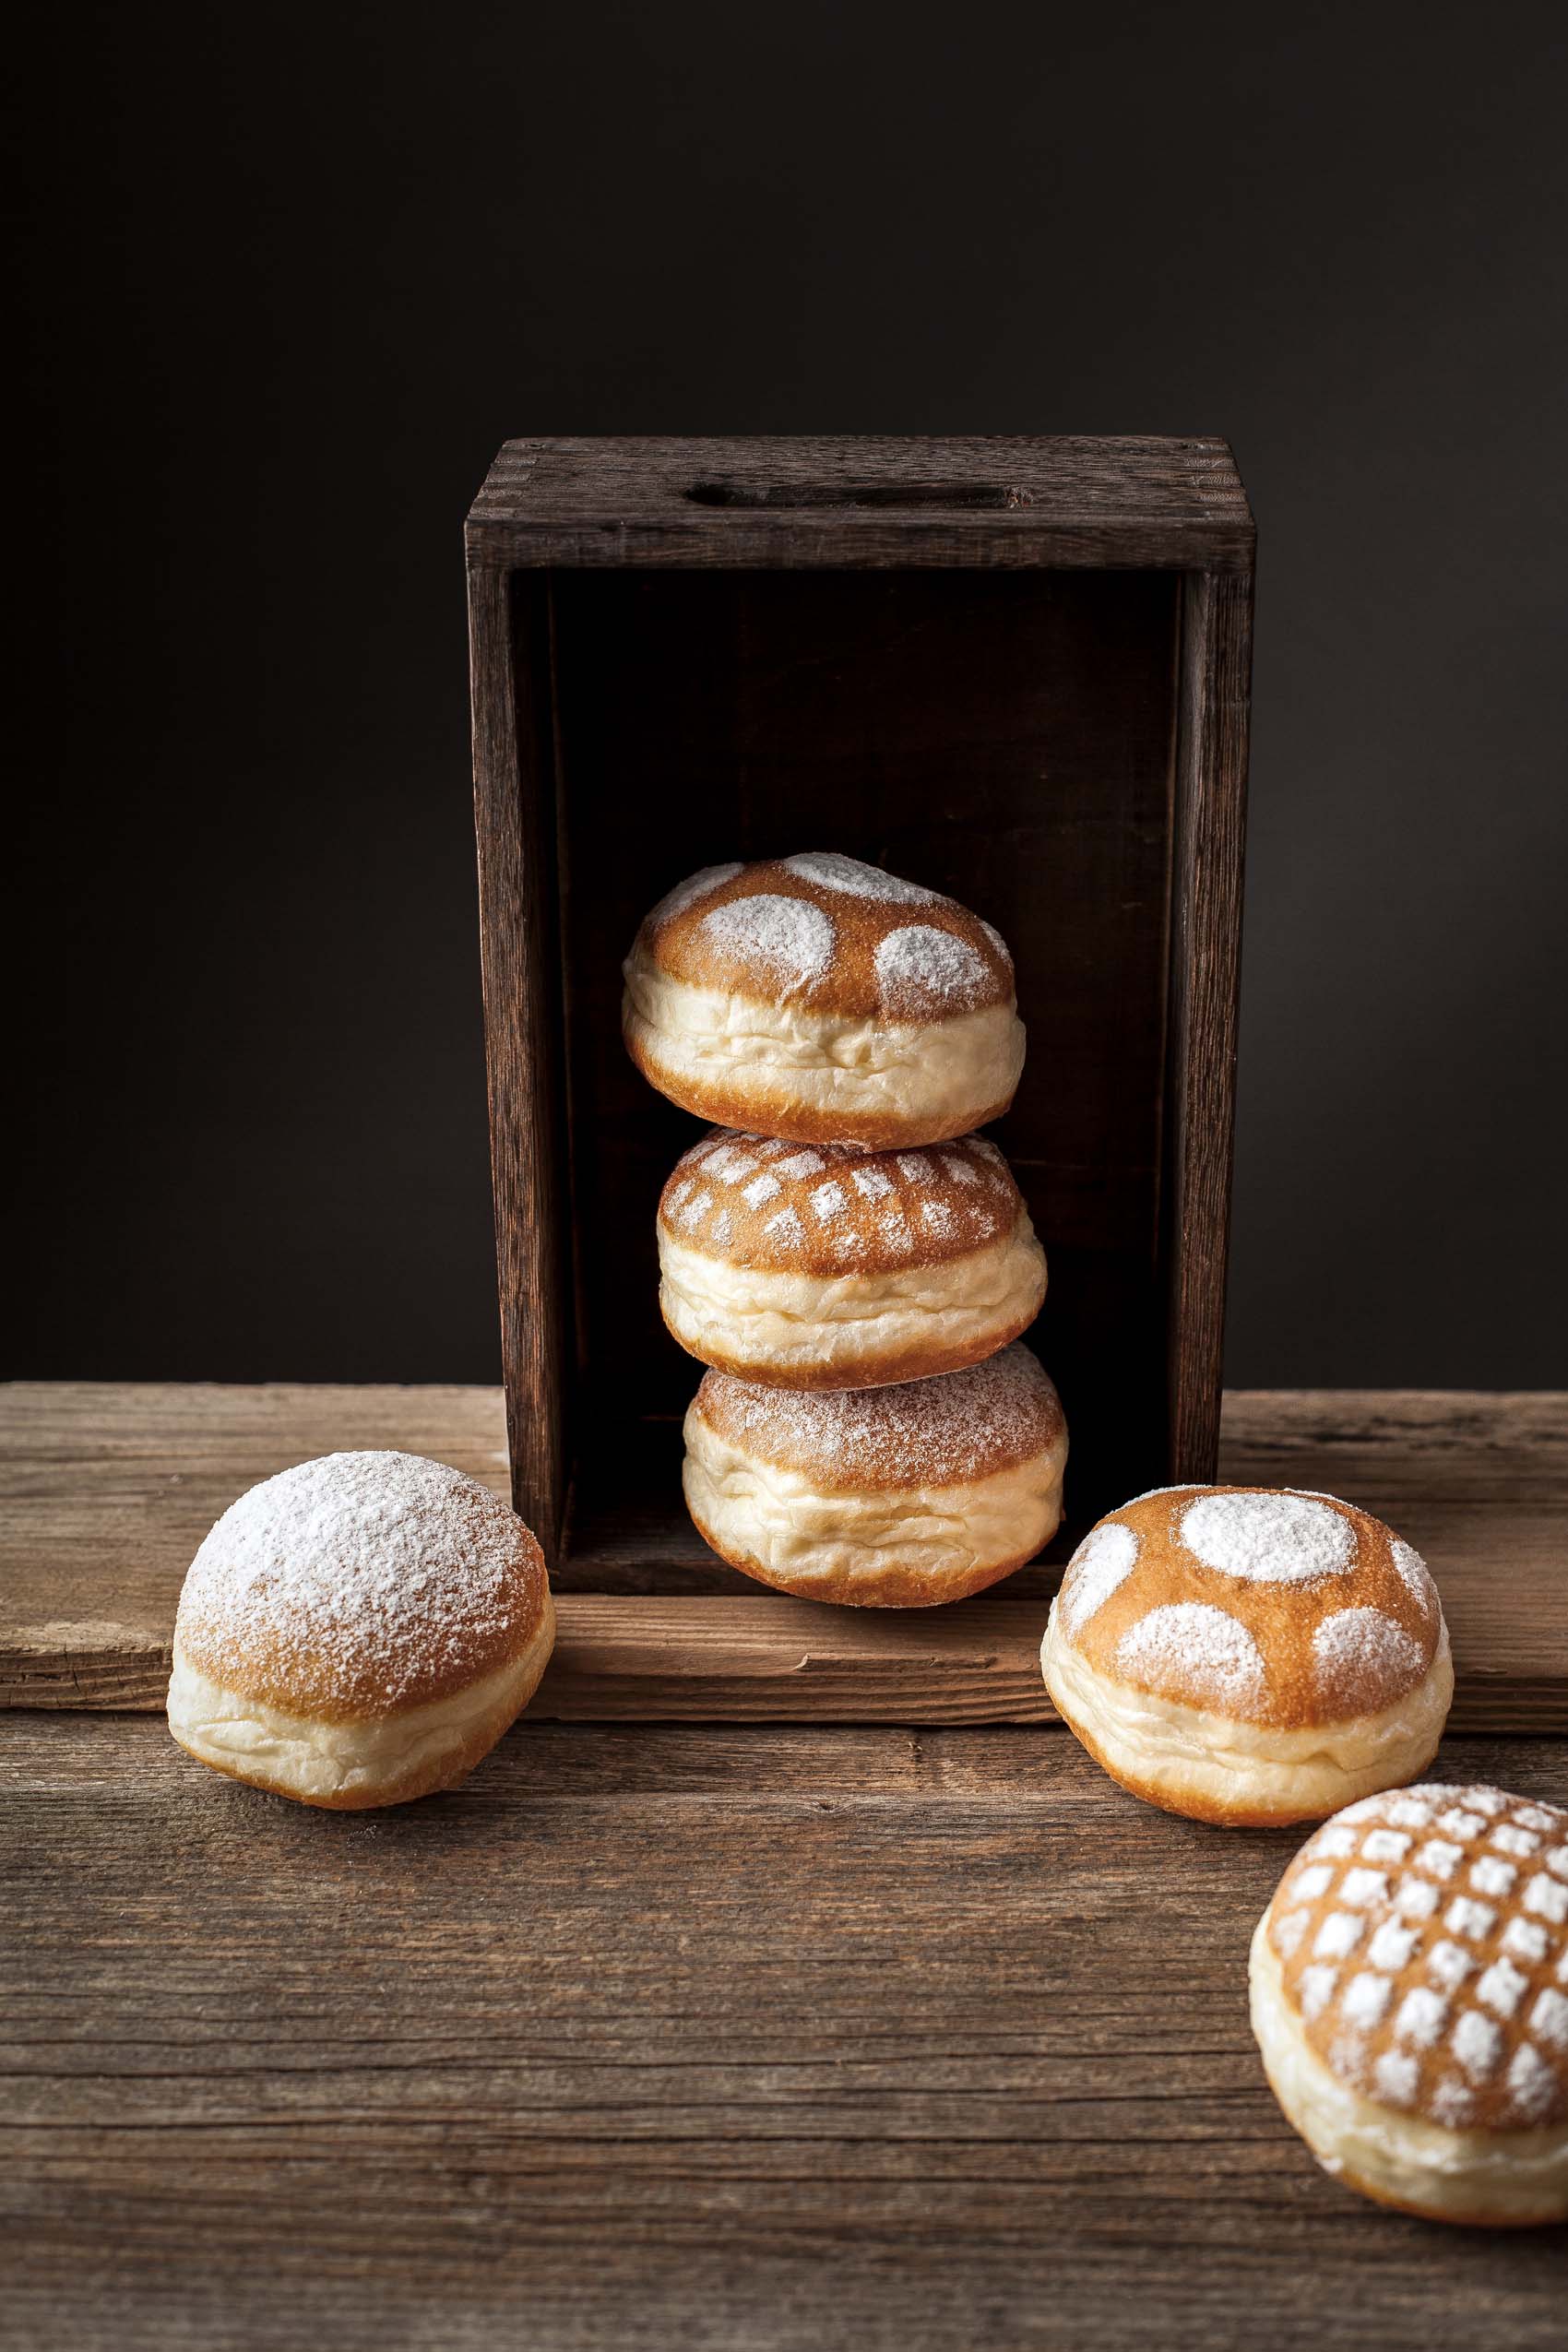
(1016, 670)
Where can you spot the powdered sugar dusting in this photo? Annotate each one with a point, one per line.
(1532, 2085)
(997, 942)
(790, 940)
(1104, 1560)
(697, 885)
(924, 974)
(923, 1433)
(1363, 1660)
(1548, 2018)
(361, 1579)
(1415, 1575)
(1194, 1652)
(830, 869)
(1270, 1539)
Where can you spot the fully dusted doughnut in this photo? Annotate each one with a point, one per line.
(1249, 1655)
(818, 999)
(892, 1498)
(358, 1631)
(816, 1266)
(1409, 1995)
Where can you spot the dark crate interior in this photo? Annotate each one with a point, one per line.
(1006, 737)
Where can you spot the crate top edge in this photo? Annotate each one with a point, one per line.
(995, 501)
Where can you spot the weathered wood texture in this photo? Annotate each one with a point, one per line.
(786, 2039)
(1205, 971)
(107, 1491)
(520, 961)
(865, 502)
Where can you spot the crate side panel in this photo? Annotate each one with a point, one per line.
(1208, 846)
(519, 943)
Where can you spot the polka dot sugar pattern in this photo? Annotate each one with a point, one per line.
(1274, 1607)
(822, 928)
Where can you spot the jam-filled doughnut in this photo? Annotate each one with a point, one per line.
(894, 1498)
(1249, 1655)
(819, 999)
(358, 1631)
(816, 1266)
(1409, 1995)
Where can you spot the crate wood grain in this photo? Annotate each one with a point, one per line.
(866, 503)
(106, 1492)
(1016, 670)
(778, 2039)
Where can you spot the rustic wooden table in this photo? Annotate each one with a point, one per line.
(662, 2034)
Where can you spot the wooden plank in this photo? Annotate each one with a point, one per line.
(509, 666)
(1402, 1445)
(864, 501)
(1210, 791)
(763, 1657)
(675, 2037)
(107, 1492)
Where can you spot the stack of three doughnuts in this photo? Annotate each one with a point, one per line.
(852, 1262)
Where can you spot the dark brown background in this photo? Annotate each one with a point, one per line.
(294, 277)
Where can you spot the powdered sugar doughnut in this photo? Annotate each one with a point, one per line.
(895, 1498)
(358, 1631)
(1249, 1653)
(1409, 1995)
(818, 1266)
(822, 1000)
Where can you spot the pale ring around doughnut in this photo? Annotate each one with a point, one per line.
(889, 1497)
(817, 1266)
(1409, 1996)
(820, 999)
(1249, 1655)
(359, 1631)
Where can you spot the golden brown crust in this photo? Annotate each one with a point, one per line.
(360, 1585)
(950, 1431)
(830, 1209)
(1320, 1613)
(732, 1102)
(823, 931)
(1422, 1941)
(889, 1587)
